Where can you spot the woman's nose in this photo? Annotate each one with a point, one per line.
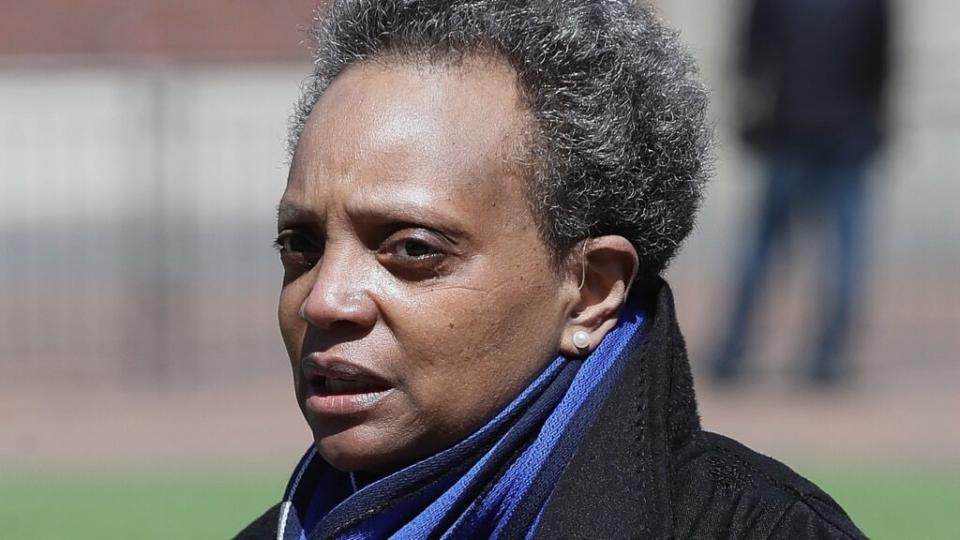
(339, 295)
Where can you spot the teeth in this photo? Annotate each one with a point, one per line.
(340, 386)
(353, 395)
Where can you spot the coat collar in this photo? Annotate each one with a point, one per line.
(619, 479)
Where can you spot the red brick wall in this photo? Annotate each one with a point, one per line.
(180, 30)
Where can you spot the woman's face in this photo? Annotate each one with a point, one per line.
(417, 298)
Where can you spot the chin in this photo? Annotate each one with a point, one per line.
(349, 452)
(343, 461)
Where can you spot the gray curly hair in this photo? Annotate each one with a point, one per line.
(621, 143)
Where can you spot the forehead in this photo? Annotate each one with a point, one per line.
(383, 128)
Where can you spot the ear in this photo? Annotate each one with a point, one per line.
(603, 273)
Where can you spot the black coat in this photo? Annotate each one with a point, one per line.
(647, 470)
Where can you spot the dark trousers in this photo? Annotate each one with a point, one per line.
(827, 194)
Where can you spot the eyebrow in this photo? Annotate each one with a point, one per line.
(409, 207)
(380, 211)
(291, 213)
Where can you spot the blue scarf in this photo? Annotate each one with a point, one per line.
(493, 484)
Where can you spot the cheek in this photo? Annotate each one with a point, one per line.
(292, 327)
(468, 349)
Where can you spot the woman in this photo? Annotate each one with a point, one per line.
(481, 197)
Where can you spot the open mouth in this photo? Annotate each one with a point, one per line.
(330, 395)
(335, 388)
(323, 385)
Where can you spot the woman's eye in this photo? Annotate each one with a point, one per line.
(413, 257)
(414, 249)
(297, 248)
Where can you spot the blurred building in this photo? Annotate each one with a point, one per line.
(142, 151)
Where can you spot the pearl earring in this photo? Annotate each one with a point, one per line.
(581, 339)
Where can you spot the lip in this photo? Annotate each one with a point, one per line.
(336, 387)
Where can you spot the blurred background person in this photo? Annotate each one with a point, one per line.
(812, 86)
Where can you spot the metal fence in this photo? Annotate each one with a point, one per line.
(136, 214)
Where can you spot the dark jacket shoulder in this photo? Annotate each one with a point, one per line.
(646, 469)
(722, 489)
(263, 527)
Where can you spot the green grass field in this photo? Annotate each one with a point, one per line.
(887, 503)
(895, 502)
